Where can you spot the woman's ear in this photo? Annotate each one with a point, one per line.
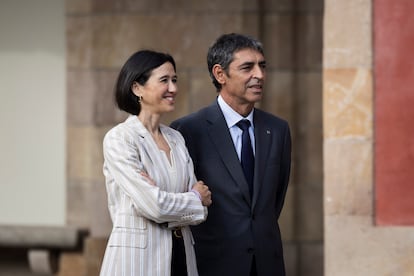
(135, 87)
(219, 73)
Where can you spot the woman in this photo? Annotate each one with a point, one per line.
(153, 195)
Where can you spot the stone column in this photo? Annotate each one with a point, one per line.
(354, 245)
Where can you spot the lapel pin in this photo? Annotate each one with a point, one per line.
(268, 131)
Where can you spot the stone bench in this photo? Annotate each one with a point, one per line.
(43, 243)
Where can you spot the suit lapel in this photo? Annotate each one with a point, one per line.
(263, 137)
(221, 138)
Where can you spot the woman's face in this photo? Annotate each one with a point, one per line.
(158, 93)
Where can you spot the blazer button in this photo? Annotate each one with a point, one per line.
(250, 250)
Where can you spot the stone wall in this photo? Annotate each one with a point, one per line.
(354, 245)
(101, 35)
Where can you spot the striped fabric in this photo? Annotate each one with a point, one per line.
(143, 214)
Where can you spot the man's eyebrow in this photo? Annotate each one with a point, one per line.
(247, 63)
(251, 63)
(262, 63)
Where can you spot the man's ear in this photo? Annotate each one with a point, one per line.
(135, 87)
(219, 73)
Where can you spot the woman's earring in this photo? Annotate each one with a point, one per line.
(139, 99)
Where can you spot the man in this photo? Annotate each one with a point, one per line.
(241, 235)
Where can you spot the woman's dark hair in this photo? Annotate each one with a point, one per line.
(223, 50)
(137, 68)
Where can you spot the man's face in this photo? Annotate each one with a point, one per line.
(245, 78)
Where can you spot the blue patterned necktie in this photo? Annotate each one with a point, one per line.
(247, 157)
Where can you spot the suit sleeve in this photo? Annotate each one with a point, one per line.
(191, 182)
(284, 171)
(123, 167)
(179, 126)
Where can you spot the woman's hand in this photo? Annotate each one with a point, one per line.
(204, 193)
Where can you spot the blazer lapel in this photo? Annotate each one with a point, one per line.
(263, 137)
(220, 136)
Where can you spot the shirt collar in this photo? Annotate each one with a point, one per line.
(231, 116)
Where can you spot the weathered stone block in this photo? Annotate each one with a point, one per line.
(85, 157)
(79, 35)
(348, 189)
(348, 103)
(278, 41)
(309, 46)
(81, 89)
(347, 34)
(278, 95)
(72, 264)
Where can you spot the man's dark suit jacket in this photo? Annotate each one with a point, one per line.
(238, 227)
